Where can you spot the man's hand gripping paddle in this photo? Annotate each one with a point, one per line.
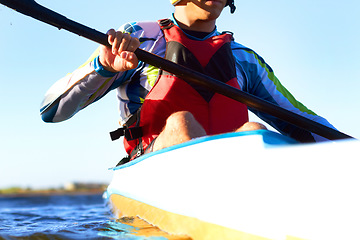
(34, 10)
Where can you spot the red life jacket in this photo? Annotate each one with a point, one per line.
(215, 112)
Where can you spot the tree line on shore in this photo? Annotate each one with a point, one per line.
(67, 188)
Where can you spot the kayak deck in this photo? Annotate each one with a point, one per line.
(257, 187)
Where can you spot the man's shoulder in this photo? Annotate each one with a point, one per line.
(149, 28)
(242, 52)
(235, 46)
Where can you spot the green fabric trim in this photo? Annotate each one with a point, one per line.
(281, 88)
(152, 74)
(93, 96)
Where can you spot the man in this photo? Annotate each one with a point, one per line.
(158, 109)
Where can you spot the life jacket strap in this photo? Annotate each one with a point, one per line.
(166, 23)
(131, 133)
(136, 152)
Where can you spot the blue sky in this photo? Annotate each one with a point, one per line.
(313, 47)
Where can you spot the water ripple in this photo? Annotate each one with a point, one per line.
(62, 217)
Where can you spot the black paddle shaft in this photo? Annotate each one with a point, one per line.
(34, 10)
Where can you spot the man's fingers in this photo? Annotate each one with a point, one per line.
(133, 45)
(120, 42)
(130, 60)
(120, 56)
(124, 40)
(111, 36)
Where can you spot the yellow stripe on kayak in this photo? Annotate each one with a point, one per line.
(177, 224)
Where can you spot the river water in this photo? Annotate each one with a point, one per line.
(61, 217)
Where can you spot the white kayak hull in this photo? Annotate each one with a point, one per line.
(244, 186)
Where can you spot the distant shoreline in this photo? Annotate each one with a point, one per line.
(21, 192)
(52, 193)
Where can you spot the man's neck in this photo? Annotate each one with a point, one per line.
(190, 23)
(197, 34)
